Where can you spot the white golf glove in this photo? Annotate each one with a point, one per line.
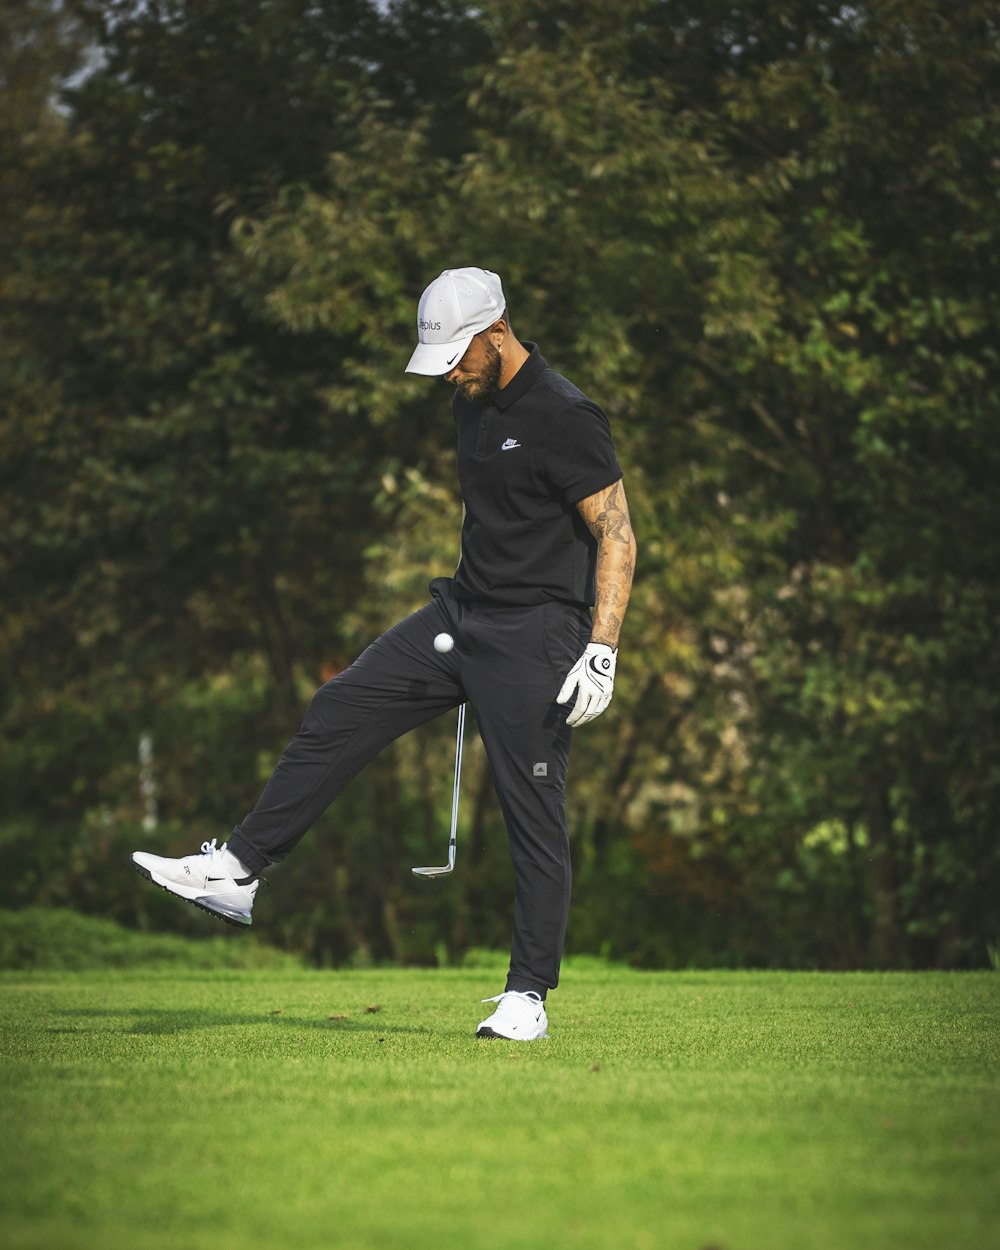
(593, 677)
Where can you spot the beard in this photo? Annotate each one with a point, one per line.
(482, 387)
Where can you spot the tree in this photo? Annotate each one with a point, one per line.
(761, 236)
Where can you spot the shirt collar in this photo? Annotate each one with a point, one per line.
(523, 380)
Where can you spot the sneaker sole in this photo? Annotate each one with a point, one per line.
(504, 1038)
(210, 911)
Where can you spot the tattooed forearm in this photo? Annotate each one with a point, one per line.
(612, 521)
(606, 516)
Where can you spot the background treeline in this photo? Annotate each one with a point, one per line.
(764, 236)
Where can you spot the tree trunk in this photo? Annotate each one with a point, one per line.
(882, 877)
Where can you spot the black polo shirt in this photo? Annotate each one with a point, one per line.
(524, 462)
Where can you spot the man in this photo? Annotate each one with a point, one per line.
(545, 536)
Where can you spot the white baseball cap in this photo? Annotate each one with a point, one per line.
(452, 311)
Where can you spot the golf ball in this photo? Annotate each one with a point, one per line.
(443, 643)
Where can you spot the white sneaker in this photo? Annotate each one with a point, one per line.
(519, 1017)
(208, 880)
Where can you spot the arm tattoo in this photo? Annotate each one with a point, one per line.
(606, 516)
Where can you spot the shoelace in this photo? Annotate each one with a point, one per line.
(209, 848)
(526, 996)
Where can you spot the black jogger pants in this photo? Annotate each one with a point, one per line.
(509, 662)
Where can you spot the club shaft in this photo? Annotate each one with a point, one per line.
(459, 736)
(447, 868)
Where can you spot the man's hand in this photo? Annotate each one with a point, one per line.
(593, 677)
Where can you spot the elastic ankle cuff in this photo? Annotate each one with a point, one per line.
(521, 986)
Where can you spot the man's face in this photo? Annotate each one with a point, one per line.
(477, 374)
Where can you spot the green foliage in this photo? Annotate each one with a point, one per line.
(54, 939)
(764, 240)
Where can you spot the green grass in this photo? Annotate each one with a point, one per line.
(750, 1111)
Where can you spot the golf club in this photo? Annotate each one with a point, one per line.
(446, 868)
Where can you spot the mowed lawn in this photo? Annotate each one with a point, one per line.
(744, 1111)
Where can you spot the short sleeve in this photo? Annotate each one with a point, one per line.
(580, 455)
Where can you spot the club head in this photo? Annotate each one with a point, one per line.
(444, 869)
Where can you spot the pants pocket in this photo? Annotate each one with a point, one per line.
(565, 632)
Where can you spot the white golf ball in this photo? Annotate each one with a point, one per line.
(444, 643)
